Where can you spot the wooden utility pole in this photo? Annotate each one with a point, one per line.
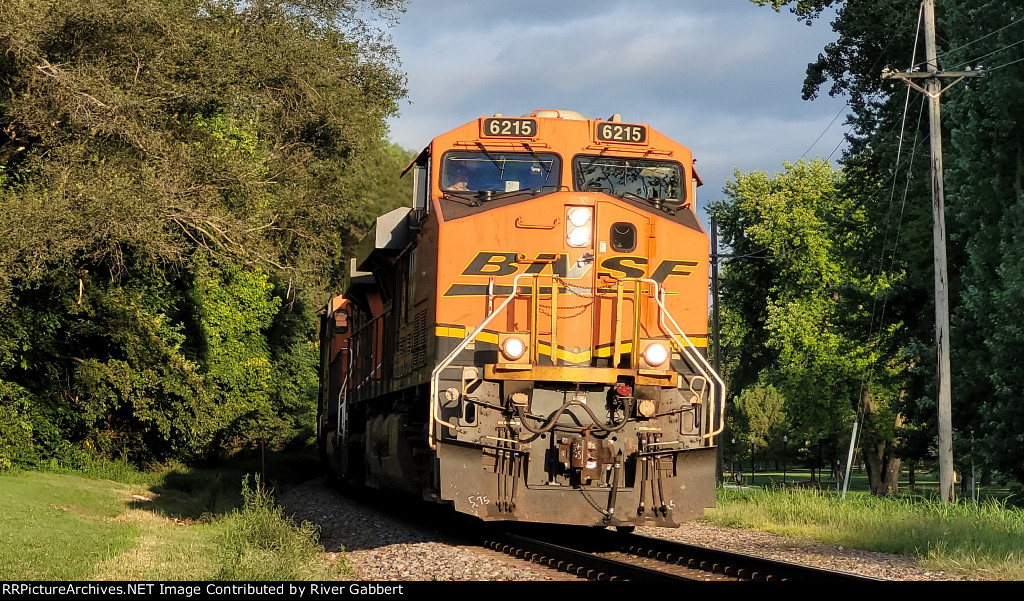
(933, 79)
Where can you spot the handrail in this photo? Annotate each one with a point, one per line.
(369, 322)
(531, 226)
(435, 375)
(343, 397)
(698, 360)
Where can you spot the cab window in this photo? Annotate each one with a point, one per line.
(499, 172)
(657, 182)
(622, 237)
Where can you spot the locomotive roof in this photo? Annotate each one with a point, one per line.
(559, 114)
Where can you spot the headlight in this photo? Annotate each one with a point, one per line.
(513, 348)
(578, 226)
(579, 216)
(578, 237)
(656, 354)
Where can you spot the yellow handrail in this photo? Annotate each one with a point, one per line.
(435, 375)
(705, 372)
(698, 360)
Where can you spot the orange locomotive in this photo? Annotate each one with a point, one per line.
(527, 340)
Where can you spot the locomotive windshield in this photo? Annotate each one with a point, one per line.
(657, 182)
(500, 171)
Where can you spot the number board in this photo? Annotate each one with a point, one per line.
(503, 127)
(608, 131)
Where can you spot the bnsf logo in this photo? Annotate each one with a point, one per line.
(616, 266)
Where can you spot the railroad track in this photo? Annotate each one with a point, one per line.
(597, 554)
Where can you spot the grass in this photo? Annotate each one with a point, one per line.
(170, 525)
(261, 544)
(983, 538)
(112, 522)
(56, 527)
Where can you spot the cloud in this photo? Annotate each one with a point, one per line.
(721, 76)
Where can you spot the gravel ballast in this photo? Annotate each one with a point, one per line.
(380, 548)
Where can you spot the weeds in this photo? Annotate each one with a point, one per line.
(261, 543)
(985, 537)
(193, 525)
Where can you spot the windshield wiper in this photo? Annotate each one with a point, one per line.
(500, 166)
(537, 158)
(475, 198)
(583, 170)
(467, 197)
(491, 194)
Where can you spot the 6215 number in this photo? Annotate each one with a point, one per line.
(620, 132)
(510, 128)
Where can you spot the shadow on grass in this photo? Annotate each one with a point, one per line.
(193, 494)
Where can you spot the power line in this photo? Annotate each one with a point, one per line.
(1005, 65)
(839, 114)
(976, 40)
(868, 376)
(986, 55)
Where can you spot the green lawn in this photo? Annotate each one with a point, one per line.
(176, 525)
(983, 538)
(58, 527)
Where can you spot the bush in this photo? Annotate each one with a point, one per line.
(261, 543)
(15, 429)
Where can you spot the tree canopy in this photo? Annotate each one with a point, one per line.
(180, 181)
(886, 176)
(796, 278)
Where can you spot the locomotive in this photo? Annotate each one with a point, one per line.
(527, 340)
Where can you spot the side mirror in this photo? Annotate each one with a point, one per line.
(420, 186)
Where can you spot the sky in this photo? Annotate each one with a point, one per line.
(722, 77)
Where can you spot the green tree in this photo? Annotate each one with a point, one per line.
(811, 308)
(982, 150)
(984, 170)
(180, 180)
(762, 410)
